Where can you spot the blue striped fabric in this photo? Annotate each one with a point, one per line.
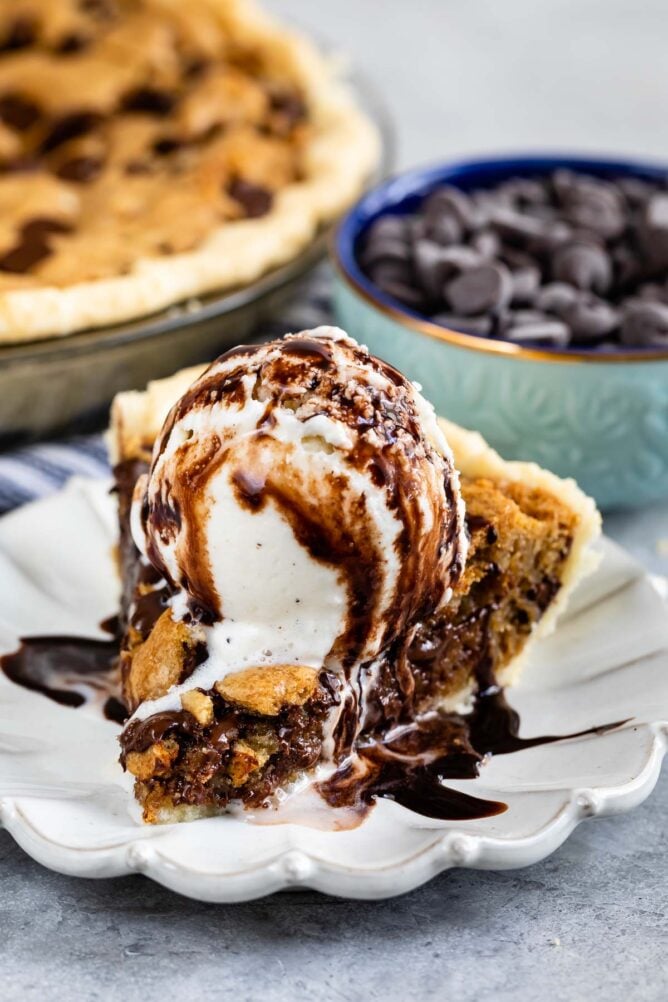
(35, 471)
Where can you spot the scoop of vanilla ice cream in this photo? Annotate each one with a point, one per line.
(303, 504)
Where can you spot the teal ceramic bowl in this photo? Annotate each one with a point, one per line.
(600, 418)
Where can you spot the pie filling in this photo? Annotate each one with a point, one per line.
(224, 746)
(119, 119)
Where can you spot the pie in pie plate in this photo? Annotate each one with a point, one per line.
(154, 151)
(324, 586)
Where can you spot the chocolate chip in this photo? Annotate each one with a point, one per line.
(385, 272)
(40, 227)
(71, 44)
(21, 165)
(390, 227)
(645, 324)
(485, 287)
(254, 199)
(590, 317)
(448, 201)
(525, 191)
(584, 265)
(33, 246)
(289, 105)
(520, 318)
(653, 292)
(526, 281)
(552, 332)
(166, 145)
(594, 205)
(516, 258)
(484, 254)
(69, 127)
(430, 268)
(195, 68)
(444, 228)
(80, 169)
(528, 231)
(19, 112)
(627, 264)
(23, 257)
(486, 243)
(480, 325)
(406, 293)
(600, 218)
(385, 249)
(654, 231)
(22, 33)
(635, 190)
(434, 264)
(461, 258)
(149, 100)
(555, 297)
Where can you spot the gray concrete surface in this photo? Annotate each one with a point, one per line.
(588, 923)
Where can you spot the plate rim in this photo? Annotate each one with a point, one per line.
(295, 867)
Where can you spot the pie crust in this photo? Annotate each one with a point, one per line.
(474, 458)
(338, 148)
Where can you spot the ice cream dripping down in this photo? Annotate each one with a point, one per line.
(303, 506)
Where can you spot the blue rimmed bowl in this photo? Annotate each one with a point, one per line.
(601, 418)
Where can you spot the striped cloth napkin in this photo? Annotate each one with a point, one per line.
(35, 471)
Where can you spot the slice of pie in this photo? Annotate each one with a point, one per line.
(325, 574)
(121, 119)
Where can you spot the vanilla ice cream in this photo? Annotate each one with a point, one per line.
(303, 506)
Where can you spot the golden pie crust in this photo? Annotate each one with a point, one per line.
(156, 150)
(475, 459)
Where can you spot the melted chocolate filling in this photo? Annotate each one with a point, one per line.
(410, 768)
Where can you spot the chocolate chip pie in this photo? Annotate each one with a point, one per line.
(153, 150)
(322, 582)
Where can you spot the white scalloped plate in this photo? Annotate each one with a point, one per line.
(65, 801)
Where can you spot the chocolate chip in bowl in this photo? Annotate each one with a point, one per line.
(533, 260)
(529, 297)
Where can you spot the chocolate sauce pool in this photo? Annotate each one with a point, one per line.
(412, 766)
(408, 766)
(70, 670)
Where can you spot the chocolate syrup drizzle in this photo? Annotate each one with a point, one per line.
(413, 767)
(71, 671)
(409, 768)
